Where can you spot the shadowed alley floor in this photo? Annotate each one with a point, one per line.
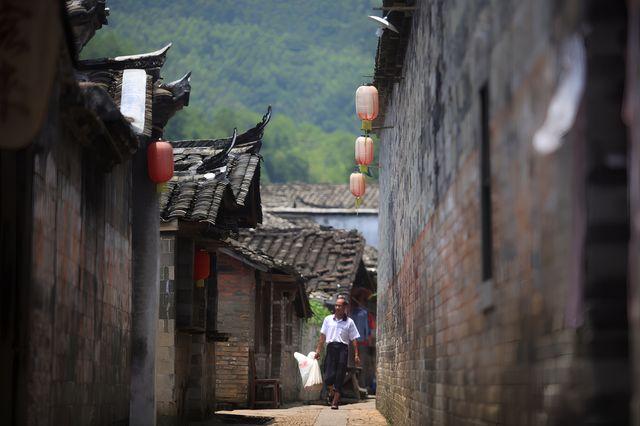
(362, 413)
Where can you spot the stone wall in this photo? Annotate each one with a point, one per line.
(453, 347)
(79, 302)
(236, 294)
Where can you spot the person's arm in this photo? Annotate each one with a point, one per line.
(356, 353)
(320, 345)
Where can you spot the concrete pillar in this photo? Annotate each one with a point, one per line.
(145, 245)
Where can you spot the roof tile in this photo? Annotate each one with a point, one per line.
(305, 195)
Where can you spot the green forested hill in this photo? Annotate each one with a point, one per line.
(303, 57)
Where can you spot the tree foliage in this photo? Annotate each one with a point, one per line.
(303, 57)
(319, 313)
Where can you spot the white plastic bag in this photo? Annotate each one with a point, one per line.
(304, 364)
(315, 375)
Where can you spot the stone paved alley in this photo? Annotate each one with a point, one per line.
(363, 413)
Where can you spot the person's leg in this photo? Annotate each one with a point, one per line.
(330, 366)
(330, 371)
(341, 371)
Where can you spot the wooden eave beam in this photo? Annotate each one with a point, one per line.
(233, 254)
(276, 277)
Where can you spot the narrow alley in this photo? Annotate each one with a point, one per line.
(198, 228)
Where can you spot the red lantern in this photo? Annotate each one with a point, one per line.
(160, 161)
(367, 103)
(201, 267)
(357, 184)
(364, 150)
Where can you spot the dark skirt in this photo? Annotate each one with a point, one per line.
(335, 364)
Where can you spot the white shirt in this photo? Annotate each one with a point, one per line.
(342, 331)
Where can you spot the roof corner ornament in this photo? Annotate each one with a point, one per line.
(85, 18)
(169, 98)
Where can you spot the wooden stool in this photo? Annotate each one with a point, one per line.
(257, 387)
(267, 386)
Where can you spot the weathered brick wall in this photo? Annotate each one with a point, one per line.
(632, 115)
(183, 364)
(171, 360)
(236, 293)
(451, 349)
(210, 371)
(290, 380)
(80, 296)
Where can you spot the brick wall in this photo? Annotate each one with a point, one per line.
(170, 357)
(288, 369)
(79, 305)
(184, 361)
(236, 293)
(210, 372)
(632, 115)
(453, 348)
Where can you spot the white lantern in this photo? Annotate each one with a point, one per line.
(364, 150)
(367, 103)
(357, 184)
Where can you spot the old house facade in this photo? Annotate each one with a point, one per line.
(262, 305)
(214, 192)
(69, 252)
(333, 206)
(67, 306)
(503, 271)
(332, 262)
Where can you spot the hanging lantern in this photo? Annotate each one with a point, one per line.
(201, 267)
(357, 186)
(367, 105)
(160, 163)
(364, 153)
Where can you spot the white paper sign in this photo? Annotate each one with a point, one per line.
(134, 97)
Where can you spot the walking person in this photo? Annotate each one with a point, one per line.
(338, 330)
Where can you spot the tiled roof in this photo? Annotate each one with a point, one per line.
(99, 124)
(161, 102)
(324, 196)
(274, 222)
(328, 258)
(151, 62)
(212, 174)
(370, 258)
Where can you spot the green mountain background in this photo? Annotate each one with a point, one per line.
(304, 58)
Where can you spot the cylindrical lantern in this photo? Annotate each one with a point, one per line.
(160, 161)
(367, 103)
(357, 184)
(201, 267)
(364, 150)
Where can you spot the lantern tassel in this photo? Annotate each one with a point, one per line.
(366, 126)
(161, 187)
(200, 284)
(358, 203)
